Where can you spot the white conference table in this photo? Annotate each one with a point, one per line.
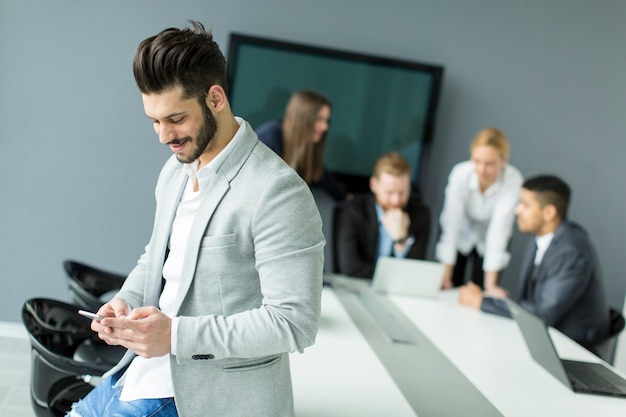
(490, 351)
(340, 375)
(463, 362)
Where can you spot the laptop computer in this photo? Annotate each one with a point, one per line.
(410, 277)
(582, 377)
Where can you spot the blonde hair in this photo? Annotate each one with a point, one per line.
(303, 155)
(391, 163)
(492, 137)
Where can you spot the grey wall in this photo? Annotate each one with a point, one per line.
(79, 159)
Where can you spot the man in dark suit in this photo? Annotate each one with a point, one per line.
(559, 281)
(387, 222)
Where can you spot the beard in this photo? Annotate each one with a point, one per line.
(205, 135)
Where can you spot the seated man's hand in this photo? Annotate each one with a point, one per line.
(396, 223)
(470, 295)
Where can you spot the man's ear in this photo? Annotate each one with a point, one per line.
(216, 98)
(550, 213)
(373, 184)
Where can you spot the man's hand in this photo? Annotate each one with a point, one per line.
(396, 223)
(117, 307)
(471, 295)
(144, 330)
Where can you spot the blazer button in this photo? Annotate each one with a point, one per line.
(203, 357)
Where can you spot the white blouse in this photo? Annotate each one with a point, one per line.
(474, 219)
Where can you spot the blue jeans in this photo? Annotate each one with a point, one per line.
(104, 401)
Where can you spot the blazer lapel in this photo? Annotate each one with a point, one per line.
(244, 142)
(527, 265)
(166, 209)
(218, 186)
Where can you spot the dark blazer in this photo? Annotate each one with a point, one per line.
(567, 291)
(357, 234)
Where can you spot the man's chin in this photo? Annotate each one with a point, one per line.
(184, 159)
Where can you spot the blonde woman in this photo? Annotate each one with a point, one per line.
(478, 214)
(300, 139)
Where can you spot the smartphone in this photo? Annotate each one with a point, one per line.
(90, 315)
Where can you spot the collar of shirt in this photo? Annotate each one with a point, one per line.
(542, 243)
(474, 184)
(204, 174)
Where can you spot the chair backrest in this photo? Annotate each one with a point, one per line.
(620, 349)
(65, 355)
(606, 349)
(90, 287)
(326, 206)
(339, 208)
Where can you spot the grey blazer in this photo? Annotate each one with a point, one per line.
(251, 282)
(567, 292)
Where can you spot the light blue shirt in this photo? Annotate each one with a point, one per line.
(385, 243)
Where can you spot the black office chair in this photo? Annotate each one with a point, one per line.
(606, 349)
(67, 358)
(91, 287)
(336, 225)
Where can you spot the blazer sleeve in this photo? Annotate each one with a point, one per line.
(495, 306)
(354, 239)
(419, 229)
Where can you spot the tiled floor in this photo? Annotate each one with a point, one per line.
(14, 371)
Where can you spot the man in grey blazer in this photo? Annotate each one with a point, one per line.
(560, 280)
(230, 281)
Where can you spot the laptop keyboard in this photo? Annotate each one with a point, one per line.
(594, 377)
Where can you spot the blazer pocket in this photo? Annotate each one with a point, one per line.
(218, 241)
(251, 365)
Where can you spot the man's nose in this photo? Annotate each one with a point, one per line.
(396, 200)
(165, 133)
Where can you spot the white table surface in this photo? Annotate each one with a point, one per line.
(340, 375)
(490, 351)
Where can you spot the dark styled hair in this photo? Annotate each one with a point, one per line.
(550, 190)
(187, 57)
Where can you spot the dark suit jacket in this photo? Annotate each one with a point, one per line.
(357, 234)
(567, 292)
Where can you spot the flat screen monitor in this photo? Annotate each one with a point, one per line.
(378, 104)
